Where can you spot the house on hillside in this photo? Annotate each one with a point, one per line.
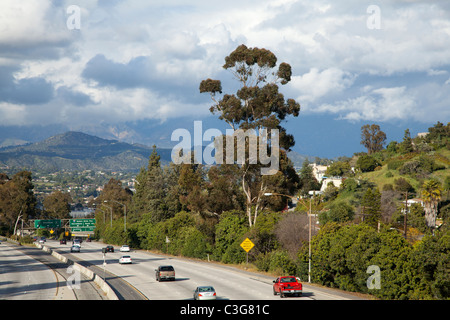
(318, 171)
(411, 202)
(415, 200)
(337, 181)
(422, 134)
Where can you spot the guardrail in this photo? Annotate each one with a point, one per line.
(109, 292)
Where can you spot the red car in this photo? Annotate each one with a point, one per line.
(287, 286)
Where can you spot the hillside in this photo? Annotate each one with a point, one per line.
(74, 151)
(390, 171)
(79, 151)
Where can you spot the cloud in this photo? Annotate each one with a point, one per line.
(144, 60)
(33, 29)
(32, 90)
(135, 73)
(388, 104)
(73, 97)
(317, 84)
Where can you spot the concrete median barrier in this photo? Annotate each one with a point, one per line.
(109, 292)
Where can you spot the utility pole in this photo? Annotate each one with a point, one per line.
(309, 240)
(406, 212)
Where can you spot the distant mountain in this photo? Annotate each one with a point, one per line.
(79, 151)
(75, 151)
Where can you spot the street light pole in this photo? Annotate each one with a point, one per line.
(124, 213)
(110, 208)
(309, 236)
(309, 241)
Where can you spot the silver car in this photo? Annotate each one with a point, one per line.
(75, 248)
(205, 293)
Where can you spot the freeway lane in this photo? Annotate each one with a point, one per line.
(230, 283)
(23, 278)
(28, 273)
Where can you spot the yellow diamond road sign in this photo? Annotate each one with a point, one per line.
(247, 245)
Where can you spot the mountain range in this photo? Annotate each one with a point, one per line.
(76, 151)
(79, 151)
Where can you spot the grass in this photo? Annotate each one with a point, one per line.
(381, 177)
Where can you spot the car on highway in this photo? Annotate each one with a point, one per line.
(62, 241)
(165, 273)
(42, 240)
(287, 285)
(124, 248)
(75, 248)
(109, 249)
(205, 293)
(125, 259)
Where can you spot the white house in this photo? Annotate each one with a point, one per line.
(337, 181)
(318, 171)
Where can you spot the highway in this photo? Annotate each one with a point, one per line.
(230, 283)
(28, 273)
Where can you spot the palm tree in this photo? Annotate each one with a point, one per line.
(431, 195)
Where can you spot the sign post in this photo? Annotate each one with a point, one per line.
(247, 245)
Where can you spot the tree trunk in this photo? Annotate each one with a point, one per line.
(248, 201)
(430, 214)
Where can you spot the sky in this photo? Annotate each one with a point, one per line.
(131, 69)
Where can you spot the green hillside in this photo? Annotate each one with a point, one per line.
(409, 165)
(75, 151)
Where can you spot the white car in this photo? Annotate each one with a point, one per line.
(205, 293)
(124, 248)
(125, 259)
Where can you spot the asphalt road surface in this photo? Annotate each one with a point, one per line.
(230, 283)
(28, 273)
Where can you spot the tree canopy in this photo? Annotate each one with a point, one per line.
(258, 104)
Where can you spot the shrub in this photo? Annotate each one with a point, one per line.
(277, 261)
(338, 212)
(395, 164)
(367, 163)
(229, 234)
(194, 244)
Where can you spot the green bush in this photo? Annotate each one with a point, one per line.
(277, 261)
(26, 239)
(395, 164)
(230, 233)
(367, 163)
(339, 211)
(194, 244)
(341, 255)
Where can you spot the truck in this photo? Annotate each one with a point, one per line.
(287, 285)
(165, 273)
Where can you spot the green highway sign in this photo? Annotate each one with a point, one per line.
(82, 225)
(87, 229)
(47, 224)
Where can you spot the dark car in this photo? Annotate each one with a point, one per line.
(62, 241)
(109, 249)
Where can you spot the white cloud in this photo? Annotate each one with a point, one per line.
(328, 45)
(383, 104)
(316, 84)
